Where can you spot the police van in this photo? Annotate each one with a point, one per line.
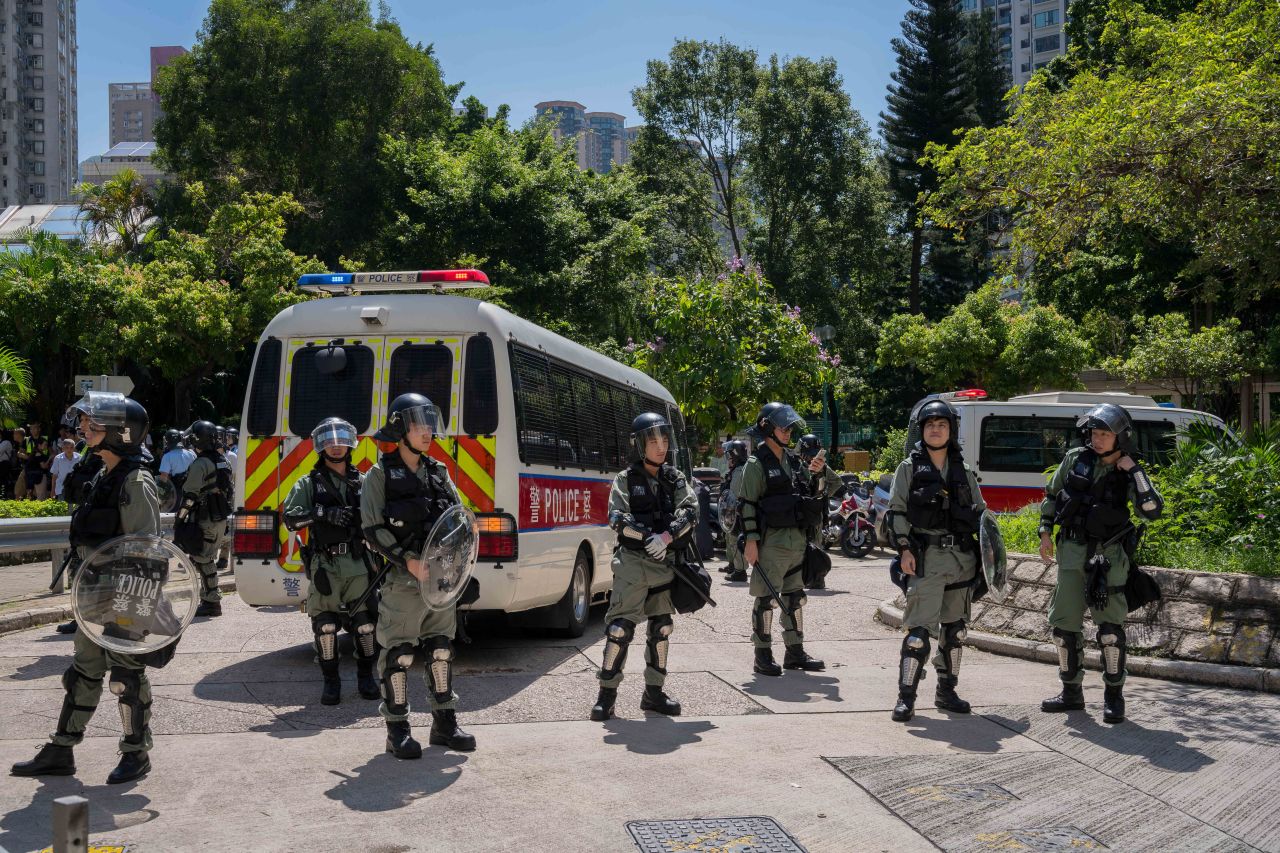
(1011, 443)
(534, 429)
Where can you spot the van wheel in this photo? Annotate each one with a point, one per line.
(569, 615)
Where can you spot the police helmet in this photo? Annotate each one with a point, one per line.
(808, 446)
(927, 410)
(646, 426)
(1108, 416)
(736, 451)
(123, 418)
(334, 432)
(172, 439)
(203, 436)
(776, 416)
(405, 411)
(233, 435)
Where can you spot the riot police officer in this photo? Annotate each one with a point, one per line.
(1088, 501)
(653, 511)
(326, 503)
(778, 507)
(404, 493)
(121, 499)
(736, 452)
(203, 512)
(935, 506)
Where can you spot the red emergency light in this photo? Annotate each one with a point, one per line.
(969, 394)
(431, 276)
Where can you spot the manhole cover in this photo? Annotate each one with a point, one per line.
(979, 793)
(718, 834)
(1051, 839)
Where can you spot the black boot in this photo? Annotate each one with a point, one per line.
(51, 760)
(400, 742)
(365, 682)
(655, 700)
(331, 694)
(67, 627)
(133, 765)
(906, 707)
(603, 709)
(445, 732)
(797, 658)
(739, 576)
(1113, 703)
(765, 664)
(1070, 699)
(209, 608)
(945, 698)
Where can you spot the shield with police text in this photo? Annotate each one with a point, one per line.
(135, 594)
(995, 565)
(450, 557)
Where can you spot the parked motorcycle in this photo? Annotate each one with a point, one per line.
(857, 536)
(880, 507)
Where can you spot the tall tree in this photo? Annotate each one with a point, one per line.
(292, 96)
(988, 74)
(118, 211)
(698, 98)
(930, 99)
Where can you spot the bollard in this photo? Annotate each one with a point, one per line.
(70, 825)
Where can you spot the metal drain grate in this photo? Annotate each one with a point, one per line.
(719, 834)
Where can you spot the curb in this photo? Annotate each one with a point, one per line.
(1210, 674)
(19, 620)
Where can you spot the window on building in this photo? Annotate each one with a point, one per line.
(36, 83)
(36, 61)
(1048, 19)
(36, 105)
(1053, 42)
(346, 394)
(969, 5)
(35, 40)
(37, 190)
(37, 167)
(35, 19)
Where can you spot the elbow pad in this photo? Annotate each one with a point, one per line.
(297, 522)
(631, 532)
(189, 504)
(682, 525)
(1150, 503)
(395, 553)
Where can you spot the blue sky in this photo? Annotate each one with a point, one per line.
(521, 53)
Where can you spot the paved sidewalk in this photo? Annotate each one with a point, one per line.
(247, 758)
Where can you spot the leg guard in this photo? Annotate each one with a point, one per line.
(363, 626)
(950, 649)
(325, 627)
(618, 637)
(655, 651)
(126, 684)
(209, 575)
(1112, 640)
(762, 621)
(395, 679)
(793, 625)
(77, 707)
(1070, 644)
(915, 651)
(440, 669)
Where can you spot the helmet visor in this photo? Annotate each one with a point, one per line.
(105, 408)
(786, 417)
(643, 436)
(334, 435)
(427, 416)
(1106, 416)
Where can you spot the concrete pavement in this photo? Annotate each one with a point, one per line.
(247, 758)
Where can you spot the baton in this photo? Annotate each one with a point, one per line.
(56, 585)
(773, 590)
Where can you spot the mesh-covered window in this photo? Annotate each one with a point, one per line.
(480, 388)
(346, 394)
(264, 392)
(535, 407)
(684, 459)
(423, 369)
(1025, 443)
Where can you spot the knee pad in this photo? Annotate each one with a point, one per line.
(1068, 643)
(1112, 639)
(916, 643)
(395, 678)
(126, 684)
(73, 675)
(618, 636)
(796, 602)
(325, 627)
(441, 668)
(953, 635)
(762, 616)
(660, 628)
(915, 651)
(364, 627)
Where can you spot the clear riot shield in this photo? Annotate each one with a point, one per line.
(450, 556)
(994, 561)
(135, 594)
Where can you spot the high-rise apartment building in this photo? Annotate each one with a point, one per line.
(135, 107)
(600, 138)
(610, 130)
(1031, 32)
(38, 99)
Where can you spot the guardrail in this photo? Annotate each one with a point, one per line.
(51, 534)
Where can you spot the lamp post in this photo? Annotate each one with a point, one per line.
(825, 333)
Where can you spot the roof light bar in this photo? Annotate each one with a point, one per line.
(390, 282)
(967, 394)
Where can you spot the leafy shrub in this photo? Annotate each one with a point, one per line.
(32, 509)
(890, 453)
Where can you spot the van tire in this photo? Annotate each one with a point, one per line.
(570, 615)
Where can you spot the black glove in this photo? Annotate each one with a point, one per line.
(339, 516)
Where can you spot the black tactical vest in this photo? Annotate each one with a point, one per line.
(325, 494)
(652, 509)
(97, 519)
(217, 498)
(938, 503)
(1088, 509)
(787, 501)
(412, 506)
(76, 488)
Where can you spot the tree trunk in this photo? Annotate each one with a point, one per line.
(1246, 405)
(913, 286)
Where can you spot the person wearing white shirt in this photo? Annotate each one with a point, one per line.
(62, 465)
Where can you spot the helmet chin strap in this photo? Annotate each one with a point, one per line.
(943, 446)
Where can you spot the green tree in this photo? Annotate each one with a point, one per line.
(697, 98)
(293, 96)
(990, 342)
(1167, 354)
(15, 385)
(929, 101)
(118, 212)
(724, 346)
(988, 75)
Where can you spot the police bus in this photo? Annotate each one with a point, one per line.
(534, 429)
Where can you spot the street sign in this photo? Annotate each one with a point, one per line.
(102, 382)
